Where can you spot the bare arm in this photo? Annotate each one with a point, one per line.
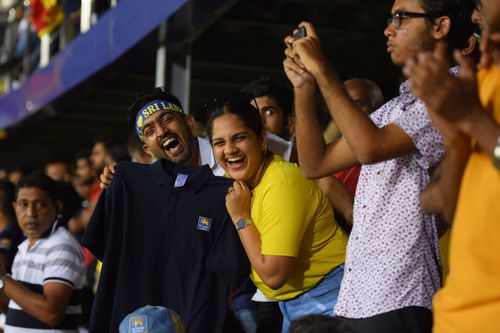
(339, 196)
(483, 128)
(78, 223)
(4, 300)
(49, 307)
(441, 195)
(454, 101)
(316, 159)
(454, 164)
(369, 144)
(273, 270)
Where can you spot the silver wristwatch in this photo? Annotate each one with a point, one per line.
(496, 154)
(243, 223)
(2, 280)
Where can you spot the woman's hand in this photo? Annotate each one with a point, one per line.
(238, 201)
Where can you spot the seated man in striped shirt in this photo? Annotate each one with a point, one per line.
(48, 268)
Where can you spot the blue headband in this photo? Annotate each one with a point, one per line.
(151, 108)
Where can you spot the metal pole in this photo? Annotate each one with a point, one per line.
(161, 55)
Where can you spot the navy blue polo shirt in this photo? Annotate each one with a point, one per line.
(165, 238)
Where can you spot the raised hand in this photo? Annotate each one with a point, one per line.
(107, 175)
(238, 201)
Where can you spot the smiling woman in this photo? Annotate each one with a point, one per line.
(284, 221)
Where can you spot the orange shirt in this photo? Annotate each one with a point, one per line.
(470, 299)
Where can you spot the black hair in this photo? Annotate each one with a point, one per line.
(6, 199)
(147, 97)
(264, 86)
(57, 160)
(239, 107)
(200, 115)
(83, 154)
(320, 324)
(460, 13)
(134, 143)
(119, 152)
(41, 181)
(72, 203)
(107, 141)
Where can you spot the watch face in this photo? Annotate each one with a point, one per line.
(241, 224)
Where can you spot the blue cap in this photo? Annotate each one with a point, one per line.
(152, 319)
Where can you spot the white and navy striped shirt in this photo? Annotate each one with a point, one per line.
(56, 258)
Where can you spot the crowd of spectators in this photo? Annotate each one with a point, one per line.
(248, 216)
(25, 23)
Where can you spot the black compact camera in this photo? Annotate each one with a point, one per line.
(300, 33)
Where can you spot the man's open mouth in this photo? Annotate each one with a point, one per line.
(171, 143)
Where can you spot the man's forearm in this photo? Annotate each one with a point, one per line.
(310, 143)
(484, 129)
(453, 166)
(356, 127)
(37, 305)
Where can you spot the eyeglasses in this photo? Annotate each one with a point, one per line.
(397, 18)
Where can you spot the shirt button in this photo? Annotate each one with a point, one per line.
(349, 269)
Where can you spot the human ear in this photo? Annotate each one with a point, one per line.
(441, 27)
(147, 150)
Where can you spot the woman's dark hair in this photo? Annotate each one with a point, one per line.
(460, 13)
(238, 105)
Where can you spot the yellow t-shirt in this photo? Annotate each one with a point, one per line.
(470, 299)
(295, 219)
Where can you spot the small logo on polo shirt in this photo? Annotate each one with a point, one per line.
(138, 324)
(5, 244)
(204, 223)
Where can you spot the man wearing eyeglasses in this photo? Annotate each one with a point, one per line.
(392, 265)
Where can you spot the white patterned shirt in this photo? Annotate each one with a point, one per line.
(392, 258)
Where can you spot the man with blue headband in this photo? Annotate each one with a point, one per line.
(160, 122)
(162, 231)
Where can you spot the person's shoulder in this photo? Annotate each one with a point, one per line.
(133, 172)
(487, 74)
(281, 171)
(127, 167)
(63, 236)
(279, 165)
(218, 181)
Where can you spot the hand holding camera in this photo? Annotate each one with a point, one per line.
(300, 33)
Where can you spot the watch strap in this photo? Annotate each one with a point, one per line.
(243, 223)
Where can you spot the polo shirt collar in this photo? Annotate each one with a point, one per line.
(23, 247)
(165, 172)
